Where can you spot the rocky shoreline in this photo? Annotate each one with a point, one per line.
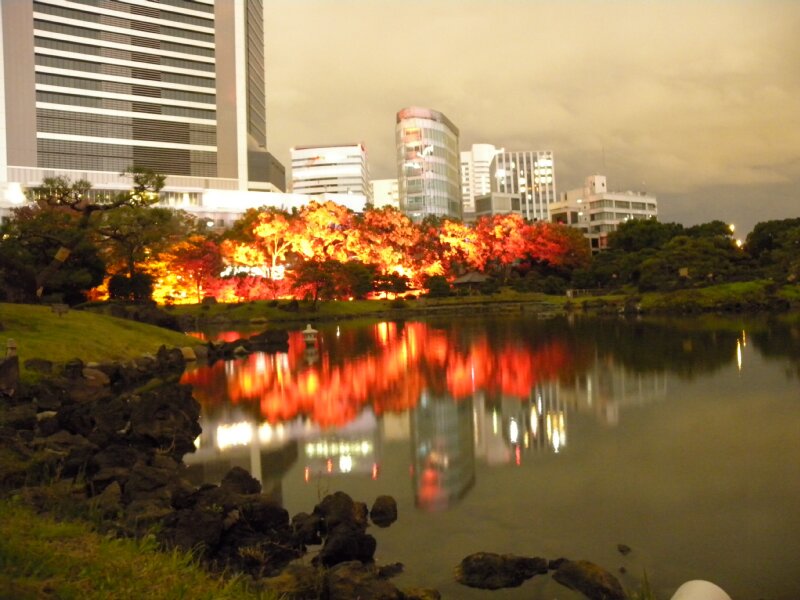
(108, 440)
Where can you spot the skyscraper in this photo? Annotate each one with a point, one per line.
(91, 87)
(530, 175)
(427, 164)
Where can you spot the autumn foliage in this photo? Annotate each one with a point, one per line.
(269, 253)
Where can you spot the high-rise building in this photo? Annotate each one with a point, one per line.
(597, 212)
(385, 192)
(428, 164)
(476, 176)
(89, 88)
(531, 176)
(340, 169)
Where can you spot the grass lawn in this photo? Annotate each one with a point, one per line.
(44, 558)
(39, 333)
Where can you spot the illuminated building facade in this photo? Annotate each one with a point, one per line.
(385, 192)
(428, 164)
(338, 169)
(476, 177)
(89, 89)
(597, 212)
(531, 176)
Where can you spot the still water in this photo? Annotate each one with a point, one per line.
(561, 437)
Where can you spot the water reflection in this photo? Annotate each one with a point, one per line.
(491, 391)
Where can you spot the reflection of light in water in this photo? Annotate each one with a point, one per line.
(494, 422)
(235, 434)
(556, 430)
(513, 431)
(197, 442)
(345, 463)
(323, 448)
(739, 354)
(534, 421)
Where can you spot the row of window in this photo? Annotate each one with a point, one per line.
(62, 154)
(120, 22)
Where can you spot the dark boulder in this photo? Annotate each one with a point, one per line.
(39, 365)
(346, 543)
(339, 508)
(239, 481)
(591, 580)
(349, 580)
(166, 418)
(384, 511)
(491, 571)
(306, 528)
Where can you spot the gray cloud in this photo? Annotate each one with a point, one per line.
(696, 101)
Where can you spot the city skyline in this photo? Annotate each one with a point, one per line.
(692, 102)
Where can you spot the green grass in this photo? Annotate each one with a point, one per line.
(39, 333)
(709, 298)
(44, 558)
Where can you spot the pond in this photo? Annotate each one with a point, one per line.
(679, 438)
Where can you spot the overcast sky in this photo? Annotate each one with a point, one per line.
(696, 102)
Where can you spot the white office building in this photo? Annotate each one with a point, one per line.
(385, 192)
(597, 212)
(340, 170)
(476, 176)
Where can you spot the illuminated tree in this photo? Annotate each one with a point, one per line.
(328, 232)
(502, 240)
(387, 240)
(198, 262)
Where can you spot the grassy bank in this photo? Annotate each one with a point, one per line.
(40, 333)
(41, 557)
(279, 311)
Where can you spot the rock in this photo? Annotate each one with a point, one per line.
(109, 503)
(346, 543)
(491, 571)
(22, 416)
(298, 582)
(591, 580)
(200, 353)
(47, 423)
(145, 481)
(166, 418)
(72, 451)
(188, 354)
(239, 481)
(350, 580)
(194, 529)
(95, 377)
(624, 549)
(306, 528)
(384, 511)
(338, 508)
(73, 369)
(39, 365)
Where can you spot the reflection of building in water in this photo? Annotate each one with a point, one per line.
(608, 387)
(266, 451)
(351, 449)
(443, 451)
(507, 429)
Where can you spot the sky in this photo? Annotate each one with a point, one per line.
(696, 102)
